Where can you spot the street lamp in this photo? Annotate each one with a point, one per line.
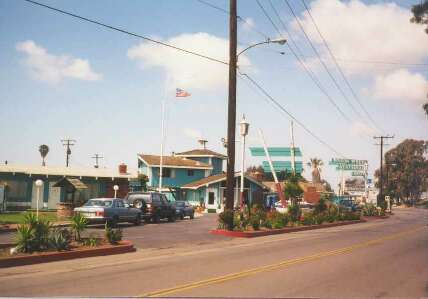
(115, 188)
(280, 41)
(39, 184)
(244, 126)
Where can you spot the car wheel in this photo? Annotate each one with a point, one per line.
(171, 218)
(181, 216)
(137, 220)
(192, 215)
(138, 204)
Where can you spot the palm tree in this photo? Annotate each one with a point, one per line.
(425, 106)
(316, 164)
(44, 150)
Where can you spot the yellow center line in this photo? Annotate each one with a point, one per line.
(275, 266)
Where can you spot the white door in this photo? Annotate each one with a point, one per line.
(212, 198)
(54, 196)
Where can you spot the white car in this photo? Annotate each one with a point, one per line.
(280, 208)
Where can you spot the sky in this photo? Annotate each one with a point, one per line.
(64, 78)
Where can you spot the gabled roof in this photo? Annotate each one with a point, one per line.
(173, 162)
(76, 183)
(201, 153)
(216, 179)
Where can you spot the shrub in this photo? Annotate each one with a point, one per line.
(60, 239)
(321, 206)
(41, 231)
(370, 209)
(92, 241)
(240, 221)
(24, 239)
(78, 225)
(294, 212)
(225, 220)
(319, 219)
(267, 223)
(255, 222)
(277, 219)
(259, 211)
(113, 236)
(308, 219)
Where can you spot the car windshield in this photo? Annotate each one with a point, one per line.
(133, 197)
(179, 203)
(98, 203)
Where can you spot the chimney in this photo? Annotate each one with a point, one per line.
(123, 168)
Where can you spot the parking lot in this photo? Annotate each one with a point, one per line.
(181, 233)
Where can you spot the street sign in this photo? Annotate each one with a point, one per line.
(350, 167)
(358, 173)
(337, 161)
(275, 152)
(283, 166)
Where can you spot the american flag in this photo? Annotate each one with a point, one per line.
(180, 93)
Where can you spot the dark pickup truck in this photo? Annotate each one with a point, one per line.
(154, 206)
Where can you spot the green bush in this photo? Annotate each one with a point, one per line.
(255, 222)
(226, 220)
(370, 209)
(308, 219)
(92, 241)
(60, 239)
(267, 223)
(78, 225)
(113, 236)
(319, 219)
(24, 239)
(321, 206)
(294, 212)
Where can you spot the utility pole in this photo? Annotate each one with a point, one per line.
(231, 111)
(68, 143)
(97, 157)
(293, 154)
(381, 199)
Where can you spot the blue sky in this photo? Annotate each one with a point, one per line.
(61, 77)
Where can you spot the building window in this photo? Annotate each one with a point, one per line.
(190, 172)
(166, 172)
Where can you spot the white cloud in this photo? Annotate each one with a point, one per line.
(362, 129)
(248, 24)
(401, 85)
(51, 68)
(358, 31)
(185, 70)
(192, 133)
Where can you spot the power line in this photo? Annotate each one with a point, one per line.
(284, 110)
(339, 68)
(97, 157)
(308, 71)
(125, 31)
(321, 60)
(238, 17)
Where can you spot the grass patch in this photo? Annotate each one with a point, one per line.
(18, 217)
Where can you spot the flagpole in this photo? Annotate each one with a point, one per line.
(162, 145)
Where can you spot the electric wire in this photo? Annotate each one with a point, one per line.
(321, 60)
(340, 69)
(126, 32)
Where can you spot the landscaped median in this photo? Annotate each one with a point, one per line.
(258, 221)
(268, 232)
(72, 253)
(38, 241)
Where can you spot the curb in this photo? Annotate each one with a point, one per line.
(253, 234)
(46, 257)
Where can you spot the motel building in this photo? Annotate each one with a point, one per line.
(18, 189)
(196, 176)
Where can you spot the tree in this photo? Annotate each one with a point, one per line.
(406, 170)
(420, 16)
(316, 164)
(44, 150)
(292, 188)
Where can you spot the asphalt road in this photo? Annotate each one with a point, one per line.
(383, 258)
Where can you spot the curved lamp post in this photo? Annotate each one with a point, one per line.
(39, 185)
(280, 41)
(115, 188)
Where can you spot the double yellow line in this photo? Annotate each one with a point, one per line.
(282, 264)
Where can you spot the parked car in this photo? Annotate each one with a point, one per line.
(184, 209)
(110, 210)
(153, 205)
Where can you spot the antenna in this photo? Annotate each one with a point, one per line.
(97, 157)
(203, 142)
(68, 143)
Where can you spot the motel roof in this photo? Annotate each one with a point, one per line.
(65, 171)
(216, 179)
(201, 153)
(173, 162)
